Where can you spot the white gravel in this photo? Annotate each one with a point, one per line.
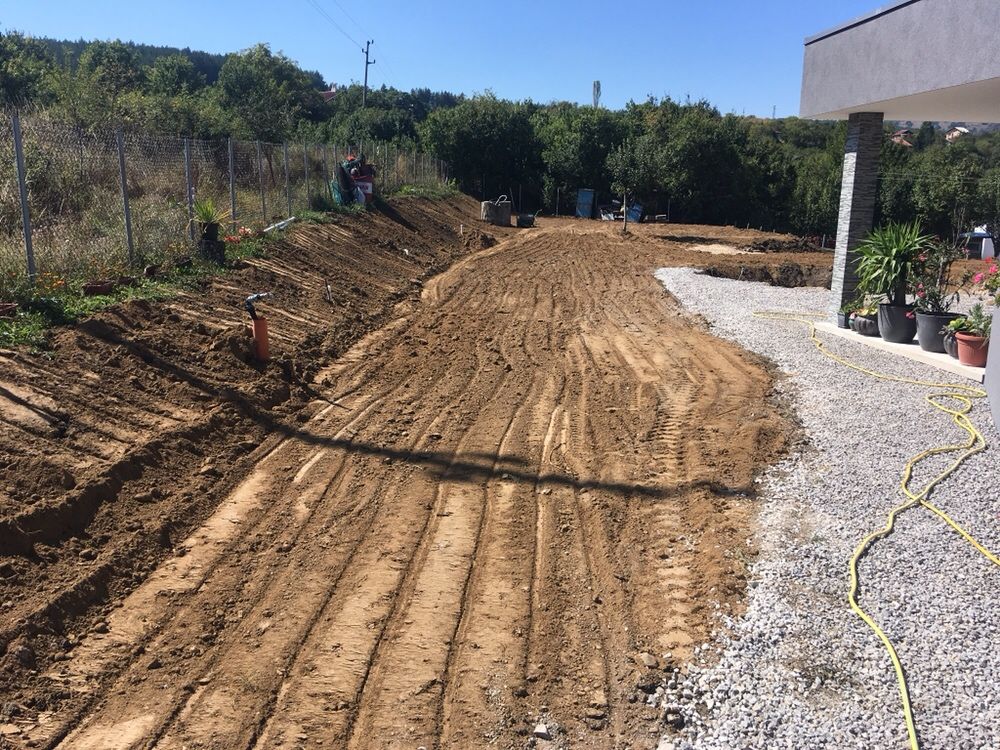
(799, 670)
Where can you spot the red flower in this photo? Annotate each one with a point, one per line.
(910, 314)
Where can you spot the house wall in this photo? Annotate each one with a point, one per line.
(922, 49)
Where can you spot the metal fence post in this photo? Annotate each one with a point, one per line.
(232, 185)
(260, 172)
(120, 142)
(22, 185)
(190, 188)
(305, 161)
(288, 187)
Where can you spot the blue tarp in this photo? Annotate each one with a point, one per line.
(584, 203)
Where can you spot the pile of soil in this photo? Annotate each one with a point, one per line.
(782, 244)
(788, 274)
(124, 436)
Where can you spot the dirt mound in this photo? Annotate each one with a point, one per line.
(782, 245)
(789, 274)
(125, 435)
(532, 488)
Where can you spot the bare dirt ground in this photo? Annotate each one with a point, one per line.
(517, 492)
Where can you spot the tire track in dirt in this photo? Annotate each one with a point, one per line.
(514, 489)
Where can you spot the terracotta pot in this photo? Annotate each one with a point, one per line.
(972, 350)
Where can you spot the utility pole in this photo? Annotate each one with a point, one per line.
(368, 64)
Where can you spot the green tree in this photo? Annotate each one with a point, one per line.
(267, 94)
(174, 75)
(25, 65)
(485, 139)
(633, 168)
(112, 69)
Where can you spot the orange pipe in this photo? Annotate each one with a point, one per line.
(261, 347)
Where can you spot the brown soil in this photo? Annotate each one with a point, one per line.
(531, 471)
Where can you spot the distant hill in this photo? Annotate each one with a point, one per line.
(207, 63)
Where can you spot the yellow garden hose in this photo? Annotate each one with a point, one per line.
(964, 395)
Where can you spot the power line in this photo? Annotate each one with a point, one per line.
(319, 9)
(349, 17)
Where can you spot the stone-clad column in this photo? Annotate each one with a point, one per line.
(857, 201)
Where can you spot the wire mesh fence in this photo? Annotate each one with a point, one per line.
(100, 203)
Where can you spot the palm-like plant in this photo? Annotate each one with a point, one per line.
(885, 260)
(206, 212)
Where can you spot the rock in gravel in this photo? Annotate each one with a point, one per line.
(541, 732)
(154, 664)
(99, 627)
(676, 720)
(647, 660)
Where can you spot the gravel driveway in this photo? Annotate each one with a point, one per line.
(799, 670)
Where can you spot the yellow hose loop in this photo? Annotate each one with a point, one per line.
(955, 392)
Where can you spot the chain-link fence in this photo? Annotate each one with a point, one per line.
(101, 202)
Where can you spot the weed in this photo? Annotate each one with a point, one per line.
(435, 192)
(25, 330)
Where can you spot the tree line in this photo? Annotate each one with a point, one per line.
(686, 159)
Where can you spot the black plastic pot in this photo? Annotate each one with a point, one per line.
(930, 330)
(896, 323)
(210, 232)
(843, 320)
(866, 325)
(950, 344)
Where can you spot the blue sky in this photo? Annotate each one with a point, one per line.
(744, 56)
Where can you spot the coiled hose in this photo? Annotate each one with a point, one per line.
(964, 395)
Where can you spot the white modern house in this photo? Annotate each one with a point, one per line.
(911, 60)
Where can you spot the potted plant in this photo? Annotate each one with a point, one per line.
(209, 218)
(949, 342)
(844, 314)
(930, 281)
(884, 266)
(972, 333)
(864, 320)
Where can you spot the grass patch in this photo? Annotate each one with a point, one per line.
(432, 191)
(47, 305)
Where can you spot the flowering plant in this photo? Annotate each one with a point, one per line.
(989, 281)
(930, 277)
(243, 233)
